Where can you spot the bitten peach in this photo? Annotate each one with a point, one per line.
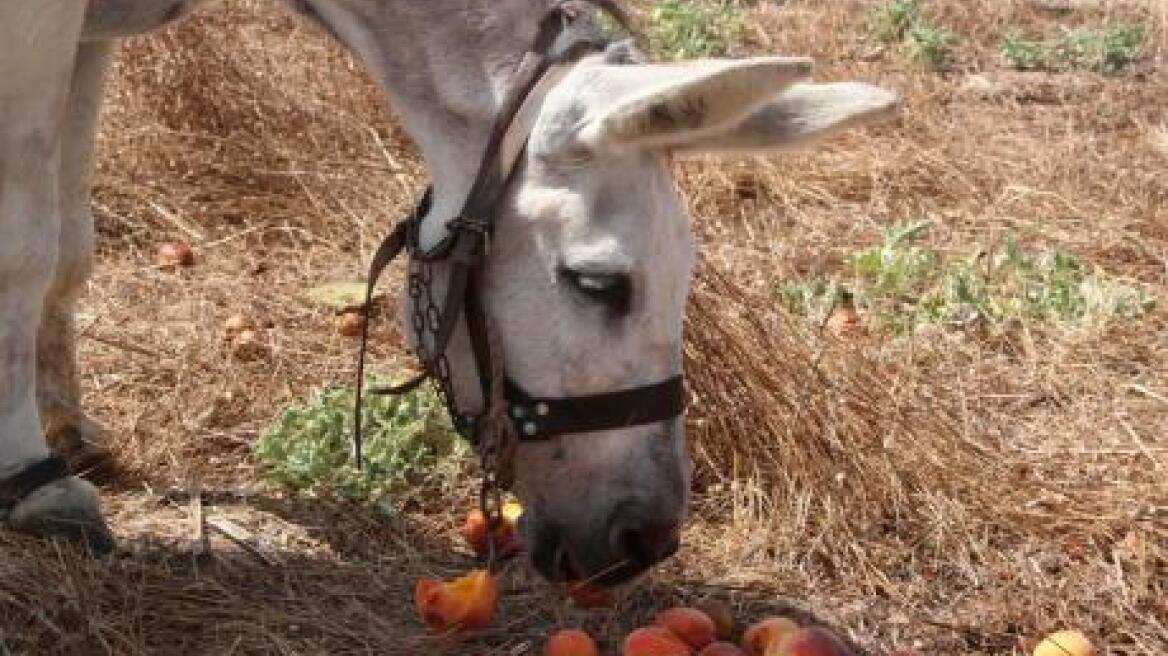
(467, 602)
(654, 641)
(766, 632)
(811, 641)
(570, 642)
(694, 627)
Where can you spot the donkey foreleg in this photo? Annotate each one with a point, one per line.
(70, 433)
(38, 40)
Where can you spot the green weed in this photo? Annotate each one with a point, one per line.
(889, 21)
(1023, 53)
(1107, 50)
(930, 47)
(900, 284)
(406, 438)
(687, 28)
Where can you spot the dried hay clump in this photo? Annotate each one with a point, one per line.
(816, 428)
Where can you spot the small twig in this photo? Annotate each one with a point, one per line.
(1147, 393)
(1147, 452)
(199, 545)
(241, 537)
(190, 230)
(119, 344)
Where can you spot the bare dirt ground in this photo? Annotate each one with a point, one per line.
(964, 490)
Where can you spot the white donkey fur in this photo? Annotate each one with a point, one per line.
(593, 202)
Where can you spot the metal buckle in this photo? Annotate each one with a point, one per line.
(477, 226)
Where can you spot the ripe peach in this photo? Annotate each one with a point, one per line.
(654, 641)
(811, 641)
(766, 632)
(694, 627)
(350, 323)
(507, 543)
(722, 616)
(467, 602)
(845, 322)
(174, 254)
(570, 642)
(248, 344)
(722, 649)
(1065, 643)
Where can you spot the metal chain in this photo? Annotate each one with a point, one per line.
(426, 319)
(497, 444)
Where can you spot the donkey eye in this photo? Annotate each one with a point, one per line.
(614, 290)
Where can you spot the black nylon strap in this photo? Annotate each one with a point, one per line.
(28, 480)
(542, 419)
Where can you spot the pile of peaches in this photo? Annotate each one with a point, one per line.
(690, 632)
(469, 602)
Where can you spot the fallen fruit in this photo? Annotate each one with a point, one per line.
(722, 616)
(694, 627)
(570, 642)
(586, 595)
(247, 344)
(467, 602)
(350, 323)
(844, 322)
(507, 542)
(654, 641)
(237, 323)
(1065, 643)
(722, 649)
(766, 632)
(811, 641)
(174, 254)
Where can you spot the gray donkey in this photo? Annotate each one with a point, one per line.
(590, 259)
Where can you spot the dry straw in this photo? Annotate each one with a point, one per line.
(968, 490)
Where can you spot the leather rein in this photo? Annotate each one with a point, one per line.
(510, 414)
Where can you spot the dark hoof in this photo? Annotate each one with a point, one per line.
(67, 509)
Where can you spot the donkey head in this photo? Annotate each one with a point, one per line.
(589, 271)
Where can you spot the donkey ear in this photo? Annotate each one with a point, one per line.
(798, 115)
(662, 106)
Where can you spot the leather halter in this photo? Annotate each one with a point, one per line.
(465, 248)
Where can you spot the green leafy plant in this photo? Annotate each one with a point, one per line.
(1108, 50)
(930, 47)
(688, 28)
(406, 438)
(889, 21)
(899, 284)
(1023, 53)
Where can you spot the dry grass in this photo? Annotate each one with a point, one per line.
(967, 491)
